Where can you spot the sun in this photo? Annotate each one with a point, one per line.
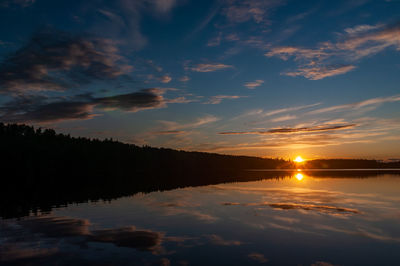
(299, 159)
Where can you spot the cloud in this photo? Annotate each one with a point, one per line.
(215, 41)
(121, 19)
(39, 109)
(163, 6)
(60, 228)
(360, 232)
(357, 105)
(285, 52)
(165, 79)
(258, 257)
(284, 118)
(133, 102)
(51, 112)
(217, 240)
(362, 28)
(357, 42)
(321, 72)
(248, 10)
(232, 37)
(262, 113)
(312, 207)
(169, 132)
(288, 130)
(217, 99)
(368, 40)
(57, 226)
(322, 263)
(211, 67)
(254, 84)
(184, 79)
(54, 60)
(171, 126)
(144, 240)
(367, 132)
(158, 78)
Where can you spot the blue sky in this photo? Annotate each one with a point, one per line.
(267, 78)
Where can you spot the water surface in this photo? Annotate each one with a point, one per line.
(296, 220)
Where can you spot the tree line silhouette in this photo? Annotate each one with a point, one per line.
(42, 169)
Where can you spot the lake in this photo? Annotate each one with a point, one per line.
(299, 219)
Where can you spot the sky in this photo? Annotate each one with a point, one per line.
(276, 78)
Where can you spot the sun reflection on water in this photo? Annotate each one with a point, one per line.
(299, 176)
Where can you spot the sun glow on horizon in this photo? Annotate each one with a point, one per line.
(298, 159)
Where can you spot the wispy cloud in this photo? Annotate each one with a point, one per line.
(320, 72)
(371, 40)
(336, 132)
(217, 240)
(215, 41)
(357, 42)
(362, 28)
(165, 79)
(284, 118)
(287, 109)
(170, 126)
(285, 52)
(123, 19)
(210, 67)
(254, 84)
(169, 132)
(243, 11)
(357, 105)
(312, 207)
(184, 79)
(262, 113)
(217, 99)
(258, 257)
(288, 130)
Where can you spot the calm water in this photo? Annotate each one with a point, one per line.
(299, 220)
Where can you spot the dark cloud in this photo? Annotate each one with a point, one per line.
(258, 257)
(289, 130)
(169, 132)
(312, 207)
(34, 108)
(322, 263)
(57, 226)
(217, 240)
(37, 108)
(54, 60)
(143, 99)
(144, 240)
(54, 112)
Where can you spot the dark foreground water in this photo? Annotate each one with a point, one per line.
(298, 220)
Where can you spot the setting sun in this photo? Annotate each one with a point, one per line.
(299, 159)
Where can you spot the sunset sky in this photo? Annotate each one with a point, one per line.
(276, 78)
